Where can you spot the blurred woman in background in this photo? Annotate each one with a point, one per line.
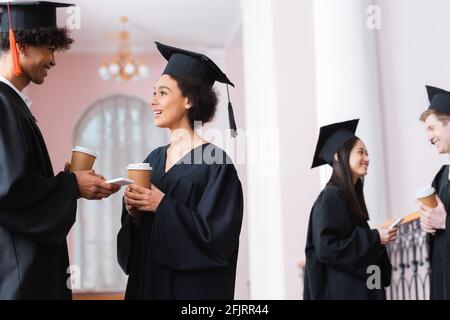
(341, 247)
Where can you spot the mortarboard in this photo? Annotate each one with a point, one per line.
(30, 15)
(439, 99)
(187, 64)
(331, 138)
(26, 15)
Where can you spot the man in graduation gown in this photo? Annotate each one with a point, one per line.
(37, 208)
(434, 220)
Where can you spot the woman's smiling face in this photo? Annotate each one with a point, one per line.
(359, 160)
(169, 105)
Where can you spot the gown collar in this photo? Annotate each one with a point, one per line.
(448, 168)
(25, 99)
(180, 161)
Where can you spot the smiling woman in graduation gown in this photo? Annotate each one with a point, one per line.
(340, 245)
(187, 248)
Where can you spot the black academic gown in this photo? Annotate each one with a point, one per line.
(440, 243)
(188, 248)
(340, 247)
(37, 209)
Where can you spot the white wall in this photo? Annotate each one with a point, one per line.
(280, 100)
(295, 78)
(234, 61)
(413, 51)
(263, 157)
(347, 87)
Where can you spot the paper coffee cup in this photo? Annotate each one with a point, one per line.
(141, 173)
(427, 195)
(82, 159)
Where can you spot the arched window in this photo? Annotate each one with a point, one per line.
(120, 128)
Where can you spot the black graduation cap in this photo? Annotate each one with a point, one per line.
(187, 64)
(439, 99)
(29, 15)
(331, 138)
(26, 15)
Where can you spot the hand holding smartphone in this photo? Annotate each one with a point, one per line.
(396, 223)
(121, 181)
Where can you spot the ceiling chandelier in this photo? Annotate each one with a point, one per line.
(123, 66)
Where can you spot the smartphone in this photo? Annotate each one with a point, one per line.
(121, 181)
(396, 223)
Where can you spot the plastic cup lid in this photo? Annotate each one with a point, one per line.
(424, 192)
(85, 150)
(139, 166)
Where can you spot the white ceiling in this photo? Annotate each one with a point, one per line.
(192, 23)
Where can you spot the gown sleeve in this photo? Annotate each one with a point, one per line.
(204, 237)
(38, 207)
(436, 185)
(125, 240)
(338, 244)
(386, 267)
(126, 237)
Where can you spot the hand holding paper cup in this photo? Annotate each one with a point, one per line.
(140, 173)
(427, 196)
(82, 159)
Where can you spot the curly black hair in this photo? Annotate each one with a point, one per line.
(202, 97)
(58, 37)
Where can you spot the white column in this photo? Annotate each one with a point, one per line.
(217, 132)
(347, 85)
(263, 192)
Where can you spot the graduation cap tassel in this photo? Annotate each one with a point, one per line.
(13, 48)
(231, 116)
(15, 54)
